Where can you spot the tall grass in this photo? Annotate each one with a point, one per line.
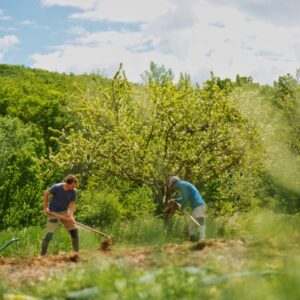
(141, 232)
(27, 245)
(268, 267)
(256, 225)
(31, 238)
(148, 231)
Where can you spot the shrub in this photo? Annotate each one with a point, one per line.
(99, 208)
(137, 203)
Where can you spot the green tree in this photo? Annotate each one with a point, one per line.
(145, 134)
(158, 74)
(21, 182)
(285, 91)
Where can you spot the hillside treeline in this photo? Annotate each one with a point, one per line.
(238, 141)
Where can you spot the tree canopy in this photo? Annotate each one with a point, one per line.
(224, 136)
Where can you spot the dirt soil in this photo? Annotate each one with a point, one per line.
(29, 270)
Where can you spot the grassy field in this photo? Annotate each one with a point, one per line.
(246, 256)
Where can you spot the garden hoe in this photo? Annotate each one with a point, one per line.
(104, 245)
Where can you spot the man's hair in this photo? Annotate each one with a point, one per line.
(172, 180)
(71, 178)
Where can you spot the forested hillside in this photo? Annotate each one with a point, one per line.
(237, 141)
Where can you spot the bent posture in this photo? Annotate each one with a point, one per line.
(62, 202)
(189, 193)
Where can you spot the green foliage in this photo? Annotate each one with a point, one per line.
(20, 181)
(237, 141)
(264, 264)
(158, 74)
(99, 208)
(28, 245)
(173, 129)
(114, 204)
(277, 126)
(137, 202)
(242, 80)
(142, 231)
(39, 103)
(285, 90)
(42, 97)
(256, 225)
(177, 228)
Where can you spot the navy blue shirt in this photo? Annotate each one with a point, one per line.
(61, 198)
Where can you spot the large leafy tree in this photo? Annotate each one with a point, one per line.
(146, 133)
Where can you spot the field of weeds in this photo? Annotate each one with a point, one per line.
(250, 256)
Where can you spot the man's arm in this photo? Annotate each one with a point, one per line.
(46, 202)
(172, 202)
(179, 200)
(71, 210)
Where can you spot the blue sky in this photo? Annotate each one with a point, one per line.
(247, 37)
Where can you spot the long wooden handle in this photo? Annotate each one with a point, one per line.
(192, 218)
(92, 229)
(80, 224)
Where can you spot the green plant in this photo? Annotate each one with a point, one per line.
(99, 208)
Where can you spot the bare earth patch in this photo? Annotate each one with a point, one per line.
(29, 270)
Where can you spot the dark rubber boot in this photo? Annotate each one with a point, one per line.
(75, 239)
(193, 238)
(75, 244)
(47, 238)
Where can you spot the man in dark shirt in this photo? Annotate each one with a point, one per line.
(62, 203)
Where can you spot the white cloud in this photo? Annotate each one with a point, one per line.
(7, 42)
(102, 51)
(4, 17)
(78, 31)
(275, 11)
(196, 38)
(7, 28)
(115, 10)
(296, 49)
(125, 11)
(28, 22)
(82, 4)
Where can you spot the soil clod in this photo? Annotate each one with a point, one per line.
(106, 244)
(74, 258)
(199, 245)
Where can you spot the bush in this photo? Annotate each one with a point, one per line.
(20, 174)
(99, 208)
(137, 202)
(110, 205)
